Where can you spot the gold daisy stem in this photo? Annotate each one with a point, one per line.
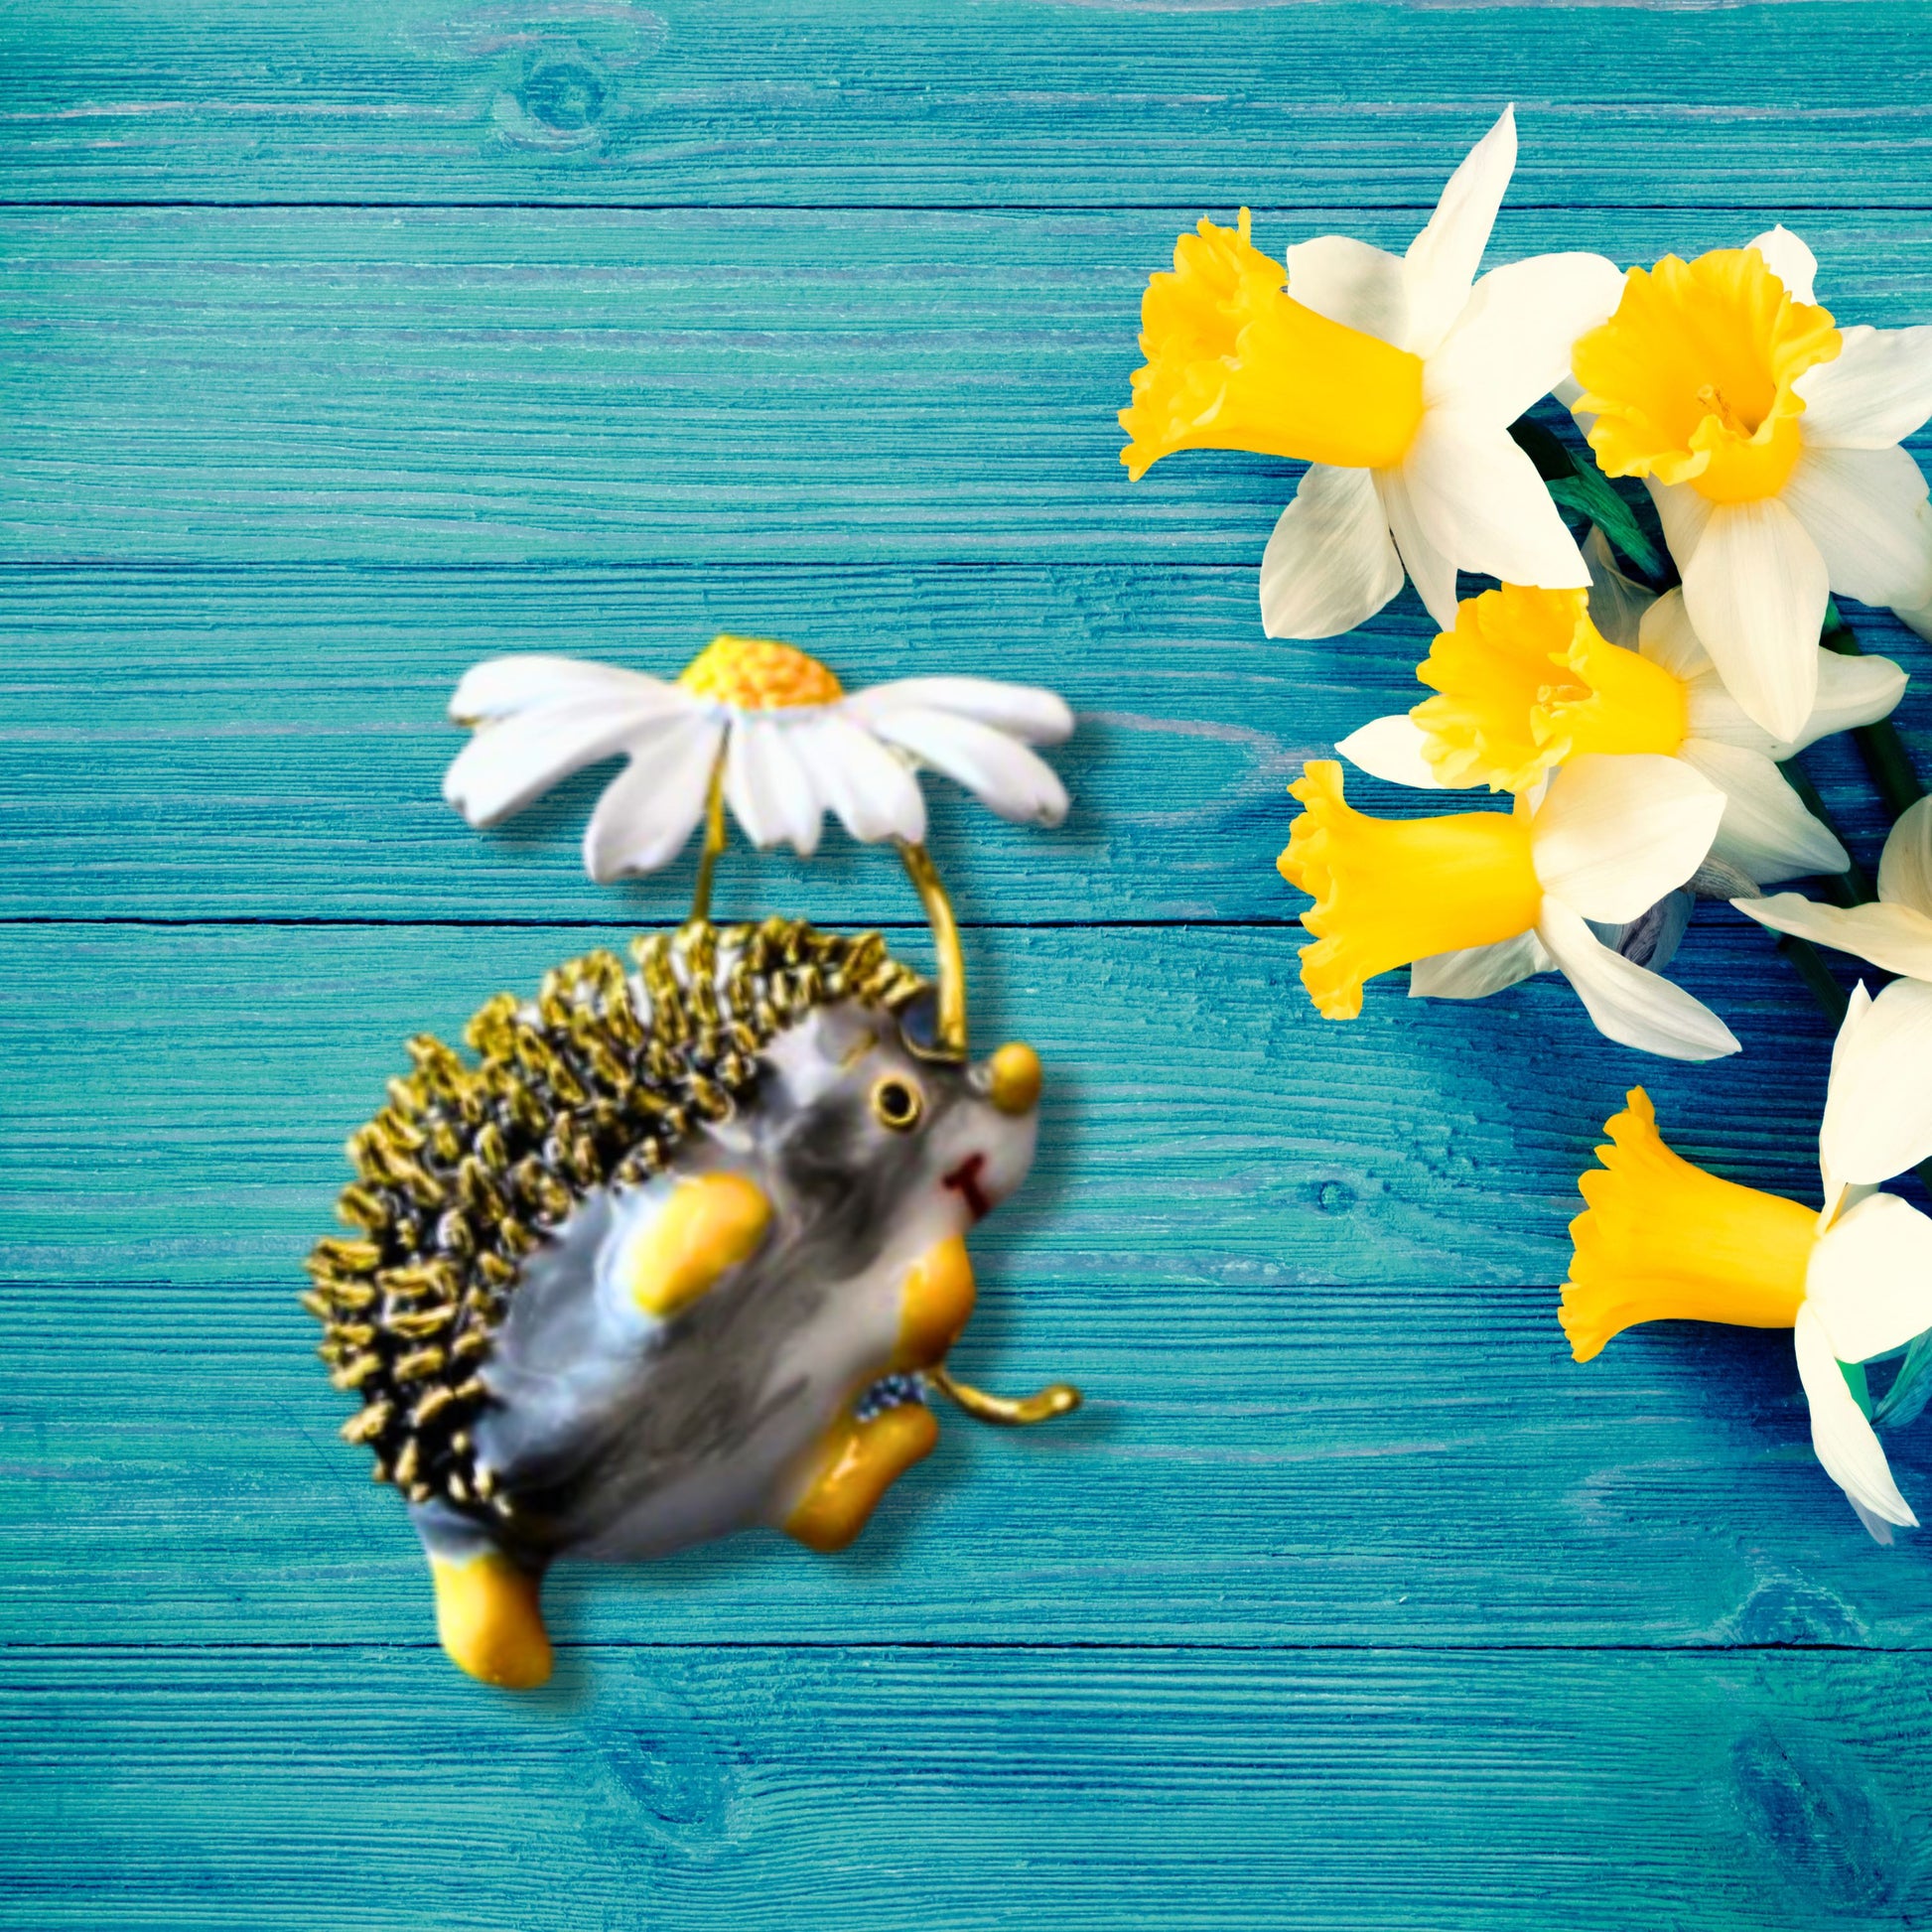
(1057, 1399)
(949, 1033)
(714, 843)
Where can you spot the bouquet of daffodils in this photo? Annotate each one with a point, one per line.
(1650, 659)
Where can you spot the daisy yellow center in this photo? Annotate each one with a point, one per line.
(758, 674)
(1233, 363)
(1525, 681)
(1388, 891)
(1661, 1239)
(1692, 380)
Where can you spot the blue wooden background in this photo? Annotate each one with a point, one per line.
(349, 341)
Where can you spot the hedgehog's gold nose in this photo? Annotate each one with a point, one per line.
(1015, 1077)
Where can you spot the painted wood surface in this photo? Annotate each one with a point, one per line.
(349, 343)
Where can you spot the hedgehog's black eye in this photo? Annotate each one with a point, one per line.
(897, 1103)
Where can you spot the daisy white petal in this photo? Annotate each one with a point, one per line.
(1845, 1441)
(1873, 393)
(1870, 1277)
(1766, 832)
(1894, 937)
(500, 686)
(1480, 500)
(1879, 1107)
(1431, 573)
(1441, 261)
(1616, 833)
(1629, 1005)
(1905, 865)
(1789, 260)
(873, 793)
(650, 811)
(1331, 564)
(1355, 284)
(766, 785)
(1027, 712)
(1512, 343)
(1391, 749)
(1755, 590)
(996, 769)
(1864, 510)
(1478, 971)
(516, 760)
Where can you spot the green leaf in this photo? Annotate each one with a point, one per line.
(1584, 491)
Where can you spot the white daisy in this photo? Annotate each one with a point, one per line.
(770, 726)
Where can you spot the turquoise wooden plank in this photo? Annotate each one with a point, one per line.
(369, 1790)
(990, 103)
(1304, 1270)
(590, 387)
(301, 712)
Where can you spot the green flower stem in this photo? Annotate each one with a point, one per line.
(1879, 745)
(1854, 885)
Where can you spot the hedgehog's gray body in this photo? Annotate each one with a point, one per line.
(524, 1379)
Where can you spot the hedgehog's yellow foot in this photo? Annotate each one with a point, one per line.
(489, 1620)
(858, 1462)
(936, 1304)
(710, 1222)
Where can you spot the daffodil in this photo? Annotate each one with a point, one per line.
(1880, 1114)
(770, 729)
(1476, 902)
(1769, 438)
(1662, 1239)
(1526, 680)
(1395, 377)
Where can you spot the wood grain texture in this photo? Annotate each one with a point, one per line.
(352, 343)
(921, 103)
(301, 711)
(370, 1790)
(784, 388)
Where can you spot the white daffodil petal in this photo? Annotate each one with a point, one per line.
(1879, 1107)
(1666, 635)
(1790, 261)
(1480, 503)
(1630, 1005)
(1905, 865)
(768, 787)
(1329, 564)
(1441, 261)
(1027, 712)
(1617, 603)
(1895, 937)
(1870, 1277)
(1918, 616)
(1478, 971)
(1865, 510)
(502, 686)
(1431, 573)
(1851, 691)
(1614, 834)
(515, 760)
(649, 810)
(1355, 284)
(1874, 392)
(1843, 1441)
(873, 793)
(1511, 345)
(1391, 748)
(998, 770)
(1840, 1194)
(1684, 514)
(1756, 592)
(1766, 831)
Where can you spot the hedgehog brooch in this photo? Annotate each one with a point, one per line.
(682, 1249)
